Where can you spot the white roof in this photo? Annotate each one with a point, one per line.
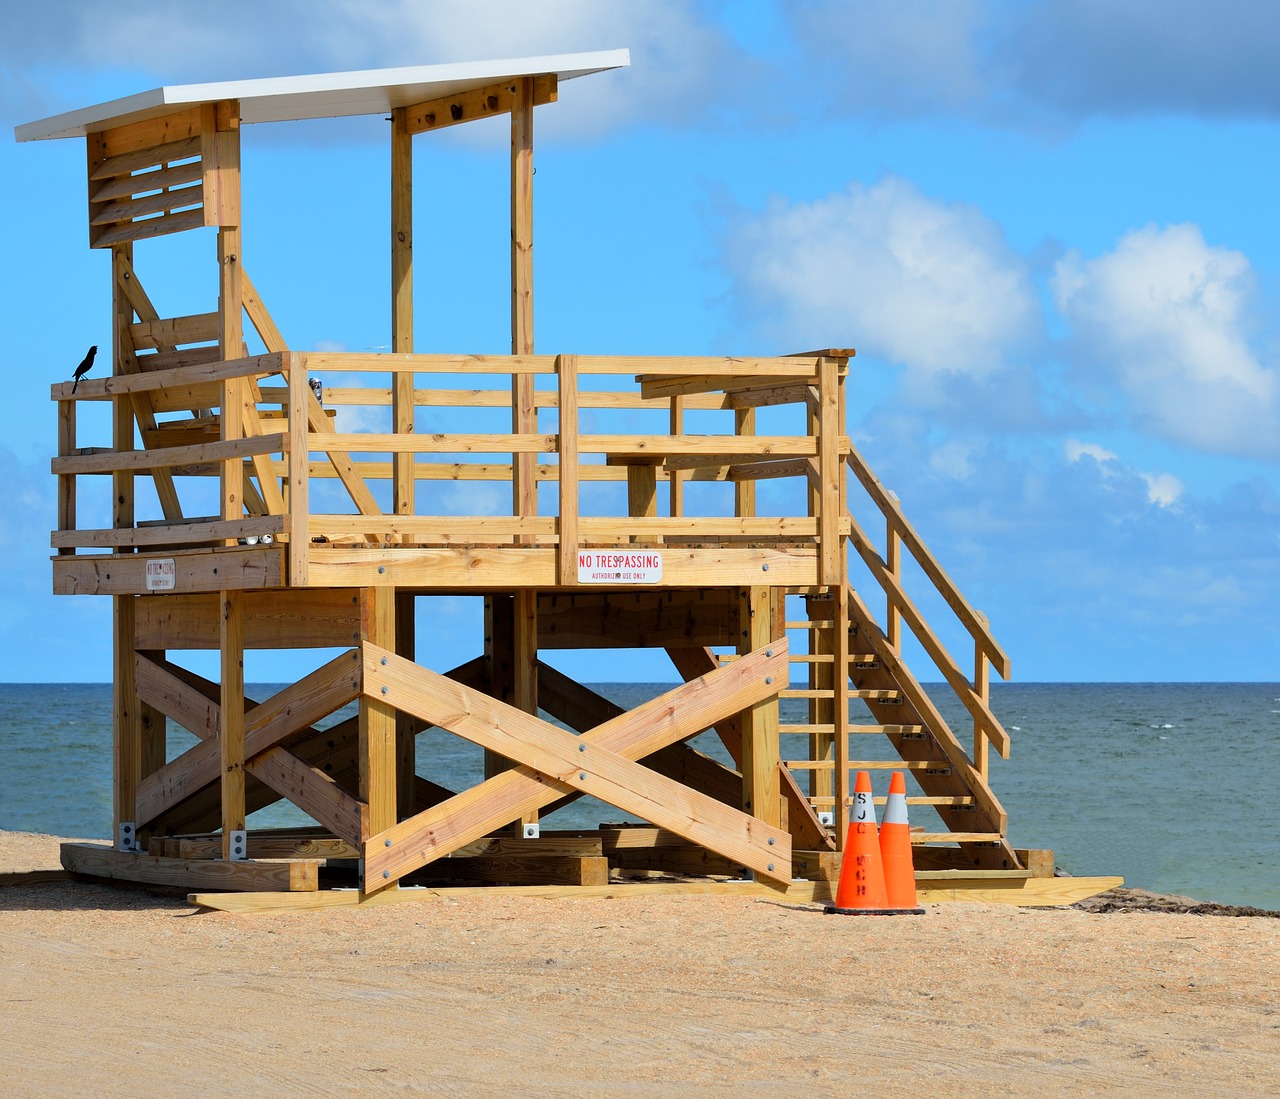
(323, 95)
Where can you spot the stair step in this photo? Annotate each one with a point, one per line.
(930, 766)
(960, 801)
(907, 732)
(868, 695)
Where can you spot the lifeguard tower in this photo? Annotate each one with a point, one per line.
(696, 505)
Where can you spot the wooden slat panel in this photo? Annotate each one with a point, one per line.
(171, 456)
(102, 862)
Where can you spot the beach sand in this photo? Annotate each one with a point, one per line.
(114, 991)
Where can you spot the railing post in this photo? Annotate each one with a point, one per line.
(982, 688)
(567, 451)
(66, 481)
(744, 492)
(830, 548)
(893, 559)
(677, 476)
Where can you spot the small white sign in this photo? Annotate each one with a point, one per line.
(619, 567)
(161, 574)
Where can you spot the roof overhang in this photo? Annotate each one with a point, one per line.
(322, 95)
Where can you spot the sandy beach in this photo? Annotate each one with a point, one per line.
(130, 991)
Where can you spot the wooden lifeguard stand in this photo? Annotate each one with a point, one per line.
(247, 513)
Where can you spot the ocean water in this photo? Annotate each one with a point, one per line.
(1171, 786)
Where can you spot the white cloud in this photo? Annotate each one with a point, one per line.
(1163, 489)
(932, 286)
(1075, 450)
(1168, 318)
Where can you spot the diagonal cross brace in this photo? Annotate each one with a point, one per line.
(600, 762)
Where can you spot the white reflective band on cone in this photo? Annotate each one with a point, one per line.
(864, 810)
(895, 809)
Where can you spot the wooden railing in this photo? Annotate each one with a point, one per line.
(973, 692)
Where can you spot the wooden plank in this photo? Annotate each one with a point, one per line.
(722, 447)
(663, 388)
(597, 762)
(220, 153)
(524, 413)
(281, 619)
(158, 179)
(1061, 891)
(126, 725)
(126, 458)
(447, 569)
(102, 862)
(147, 229)
(165, 139)
(101, 574)
(831, 564)
(127, 210)
(176, 535)
(262, 846)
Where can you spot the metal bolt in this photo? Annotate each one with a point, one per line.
(387, 873)
(382, 569)
(768, 652)
(768, 679)
(582, 774)
(771, 842)
(385, 689)
(387, 843)
(383, 662)
(764, 568)
(582, 747)
(770, 866)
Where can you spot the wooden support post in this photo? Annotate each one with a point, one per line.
(831, 506)
(377, 720)
(126, 724)
(761, 787)
(567, 447)
(231, 719)
(525, 665)
(840, 639)
(235, 391)
(402, 383)
(499, 633)
(524, 415)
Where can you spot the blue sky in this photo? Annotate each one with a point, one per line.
(1048, 228)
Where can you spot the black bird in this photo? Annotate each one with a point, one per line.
(84, 366)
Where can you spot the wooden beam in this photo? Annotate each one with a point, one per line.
(279, 619)
(490, 101)
(524, 414)
(377, 759)
(126, 717)
(102, 862)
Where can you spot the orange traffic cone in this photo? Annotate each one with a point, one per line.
(895, 849)
(861, 889)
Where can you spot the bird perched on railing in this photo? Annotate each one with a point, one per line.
(84, 366)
